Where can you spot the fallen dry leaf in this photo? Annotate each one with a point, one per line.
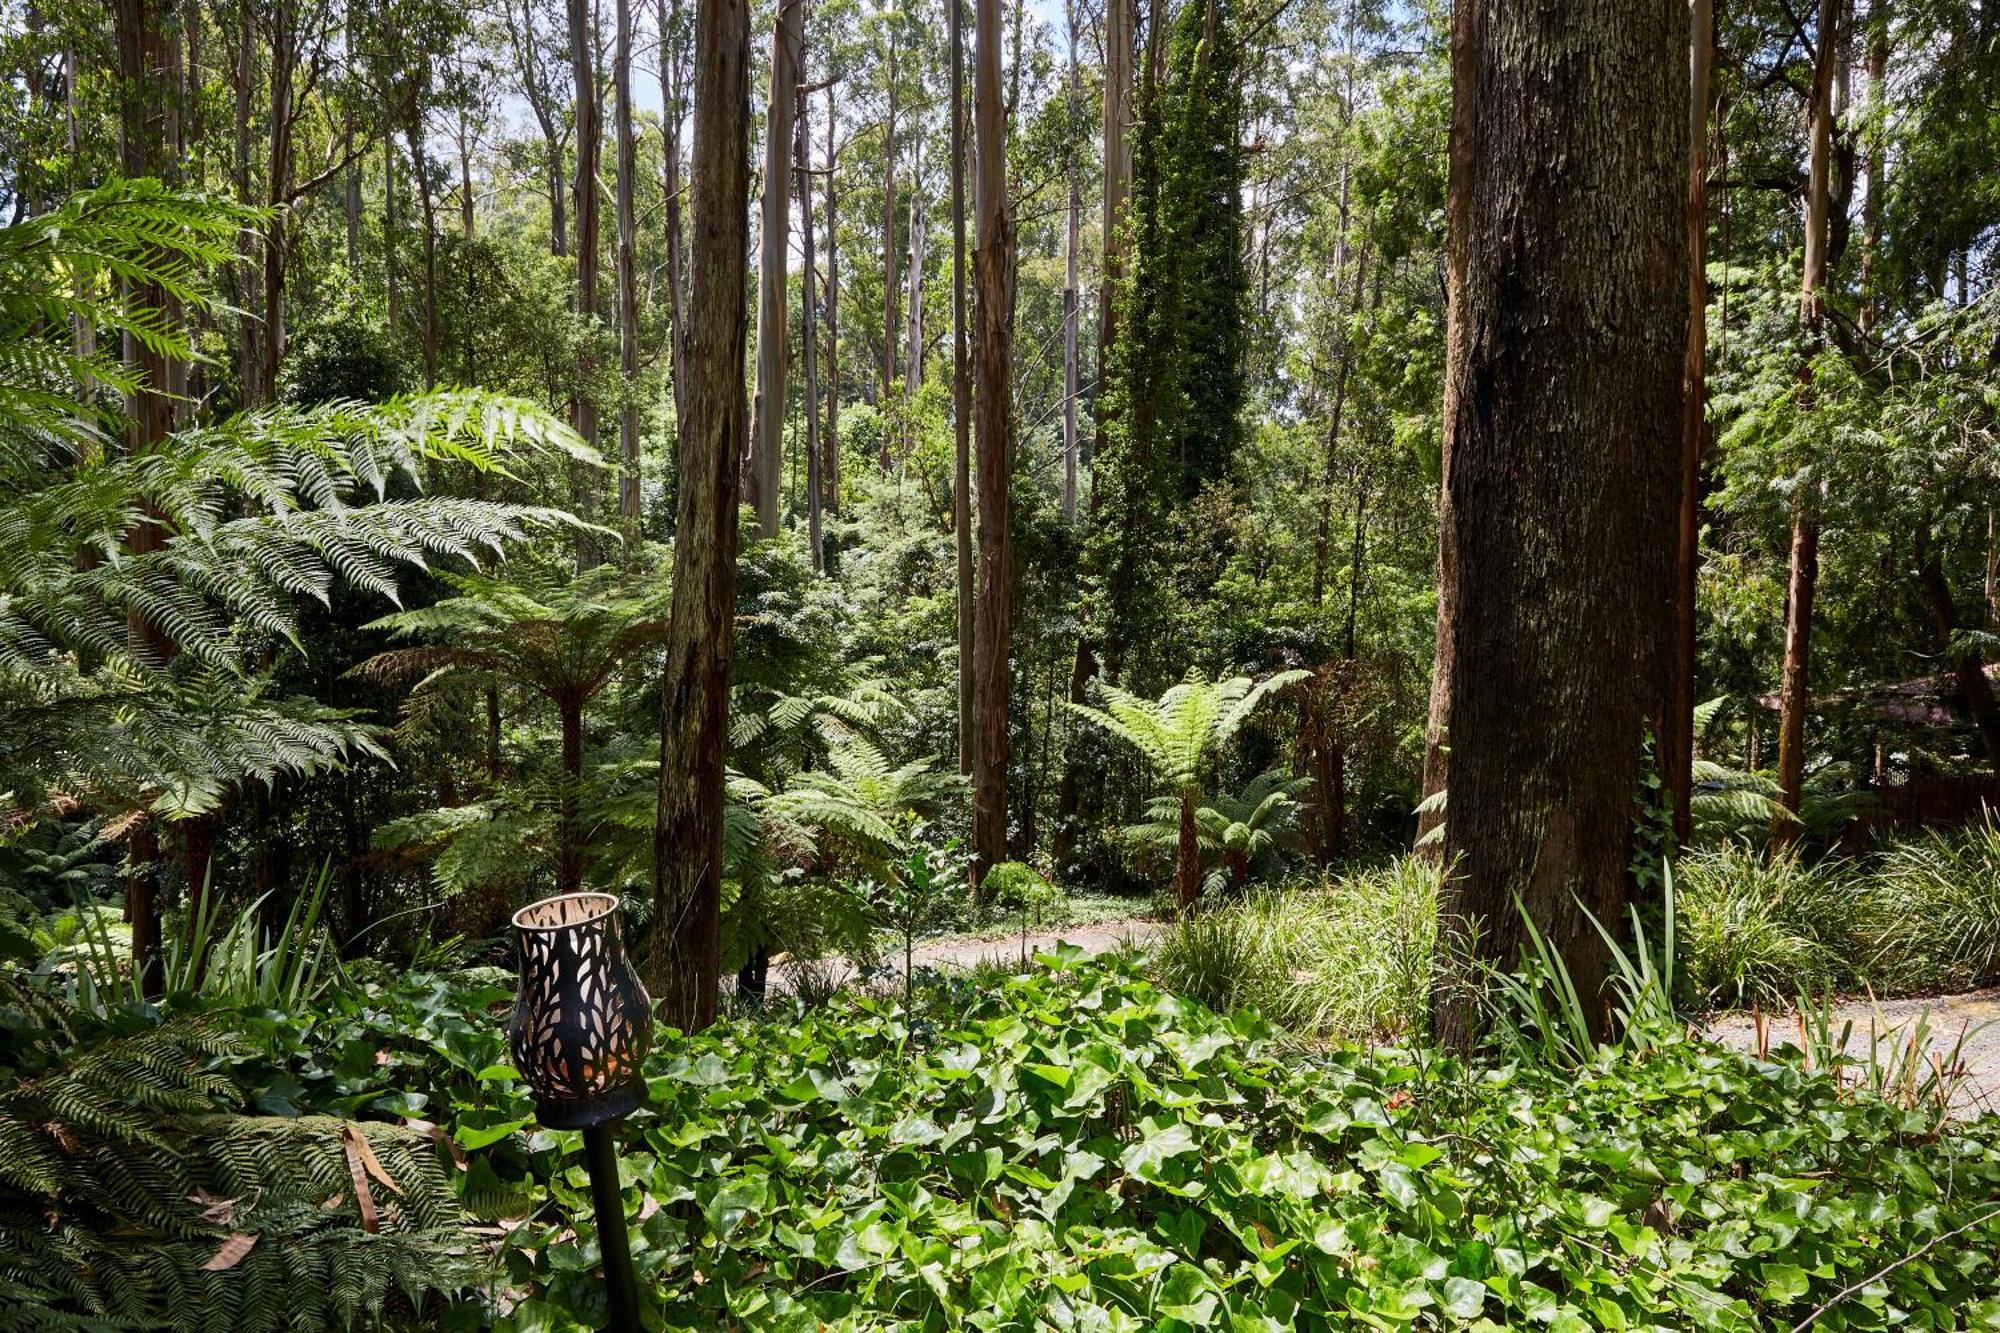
(363, 1198)
(354, 1136)
(230, 1253)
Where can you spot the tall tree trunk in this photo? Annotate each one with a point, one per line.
(993, 281)
(243, 74)
(1466, 34)
(569, 831)
(767, 442)
(809, 336)
(694, 700)
(1677, 736)
(391, 292)
(277, 185)
(913, 348)
(961, 396)
(143, 93)
(1070, 234)
(589, 152)
(1323, 539)
(351, 173)
(1877, 162)
(832, 468)
(673, 112)
(889, 237)
(1794, 693)
(420, 175)
(1568, 330)
(628, 273)
(1121, 20)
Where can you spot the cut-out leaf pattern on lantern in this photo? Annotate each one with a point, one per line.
(582, 1021)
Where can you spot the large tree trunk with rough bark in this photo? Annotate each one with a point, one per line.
(764, 473)
(1802, 578)
(694, 699)
(1677, 736)
(1568, 329)
(993, 281)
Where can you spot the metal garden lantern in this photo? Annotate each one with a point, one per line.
(580, 1028)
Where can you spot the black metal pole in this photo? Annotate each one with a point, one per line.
(621, 1286)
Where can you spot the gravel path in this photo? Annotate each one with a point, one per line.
(1967, 1024)
(960, 952)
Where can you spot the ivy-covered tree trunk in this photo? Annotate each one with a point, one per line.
(993, 277)
(1568, 326)
(694, 699)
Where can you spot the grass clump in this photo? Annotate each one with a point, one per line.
(1758, 932)
(1936, 900)
(1342, 958)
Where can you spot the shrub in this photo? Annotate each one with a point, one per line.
(1757, 932)
(1345, 958)
(1937, 905)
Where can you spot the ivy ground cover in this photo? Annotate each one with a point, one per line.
(1075, 1149)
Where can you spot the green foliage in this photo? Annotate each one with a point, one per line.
(131, 1198)
(1758, 931)
(1344, 959)
(1938, 905)
(1080, 1147)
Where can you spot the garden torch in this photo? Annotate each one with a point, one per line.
(579, 1032)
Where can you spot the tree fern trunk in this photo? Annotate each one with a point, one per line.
(569, 836)
(1187, 858)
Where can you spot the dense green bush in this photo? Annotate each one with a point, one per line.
(1343, 958)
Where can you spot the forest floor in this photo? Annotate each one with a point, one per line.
(1967, 1025)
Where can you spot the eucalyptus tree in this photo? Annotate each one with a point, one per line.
(1562, 435)
(694, 696)
(993, 280)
